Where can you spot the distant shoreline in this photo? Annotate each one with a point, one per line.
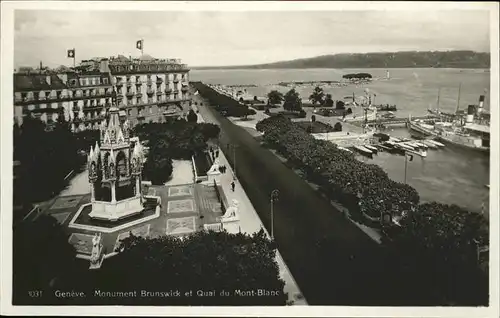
(235, 68)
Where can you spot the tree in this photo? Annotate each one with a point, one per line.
(349, 111)
(275, 97)
(292, 101)
(317, 96)
(204, 261)
(42, 258)
(192, 117)
(436, 251)
(328, 101)
(158, 167)
(337, 127)
(340, 105)
(243, 112)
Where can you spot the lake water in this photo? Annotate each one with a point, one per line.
(450, 175)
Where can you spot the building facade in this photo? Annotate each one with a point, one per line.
(146, 89)
(150, 90)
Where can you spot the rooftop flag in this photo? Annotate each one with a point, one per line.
(139, 44)
(71, 53)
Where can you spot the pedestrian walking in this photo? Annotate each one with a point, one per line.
(232, 185)
(224, 169)
(217, 153)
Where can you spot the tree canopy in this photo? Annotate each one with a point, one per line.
(42, 258)
(434, 249)
(46, 157)
(275, 97)
(357, 76)
(328, 100)
(317, 96)
(207, 262)
(177, 139)
(292, 101)
(192, 117)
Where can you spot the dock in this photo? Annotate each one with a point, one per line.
(390, 121)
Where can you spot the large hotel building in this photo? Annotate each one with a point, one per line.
(146, 89)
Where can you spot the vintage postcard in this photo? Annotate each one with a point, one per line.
(250, 158)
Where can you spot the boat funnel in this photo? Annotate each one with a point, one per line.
(470, 114)
(481, 104)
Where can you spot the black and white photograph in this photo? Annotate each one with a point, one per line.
(258, 157)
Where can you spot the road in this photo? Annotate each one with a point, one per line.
(332, 260)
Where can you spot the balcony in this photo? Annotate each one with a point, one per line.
(168, 90)
(138, 82)
(140, 116)
(185, 88)
(158, 93)
(42, 98)
(139, 94)
(176, 80)
(119, 84)
(176, 91)
(76, 108)
(159, 81)
(149, 81)
(150, 92)
(130, 94)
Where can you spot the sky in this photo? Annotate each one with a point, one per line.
(240, 38)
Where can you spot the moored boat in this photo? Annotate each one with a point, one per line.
(437, 143)
(372, 148)
(422, 154)
(430, 144)
(345, 149)
(363, 150)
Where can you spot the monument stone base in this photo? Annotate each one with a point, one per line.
(110, 211)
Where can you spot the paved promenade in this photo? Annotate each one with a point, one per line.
(249, 219)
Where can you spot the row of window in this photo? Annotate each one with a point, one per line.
(43, 95)
(90, 81)
(149, 67)
(137, 78)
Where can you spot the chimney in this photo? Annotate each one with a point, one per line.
(104, 66)
(470, 114)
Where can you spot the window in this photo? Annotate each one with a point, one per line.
(105, 81)
(98, 81)
(150, 109)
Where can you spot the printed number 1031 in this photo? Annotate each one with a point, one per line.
(35, 293)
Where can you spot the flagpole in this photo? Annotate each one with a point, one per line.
(142, 47)
(74, 57)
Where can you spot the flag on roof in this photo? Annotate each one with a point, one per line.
(71, 53)
(139, 44)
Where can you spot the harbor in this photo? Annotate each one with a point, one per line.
(464, 170)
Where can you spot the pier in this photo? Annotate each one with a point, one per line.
(390, 121)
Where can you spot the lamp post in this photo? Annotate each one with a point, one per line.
(274, 197)
(406, 162)
(234, 160)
